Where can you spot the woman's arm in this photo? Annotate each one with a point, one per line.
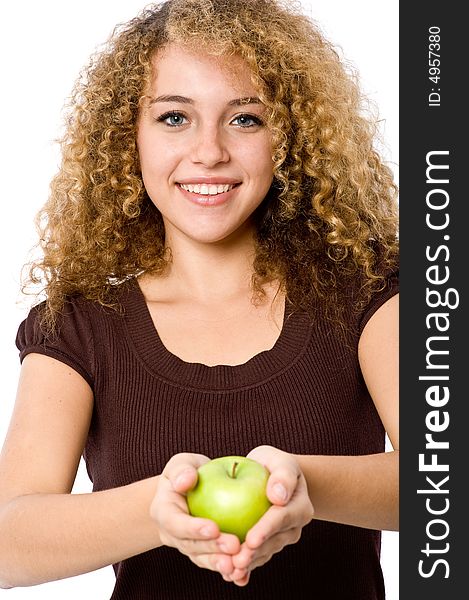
(364, 490)
(44, 537)
(46, 533)
(354, 490)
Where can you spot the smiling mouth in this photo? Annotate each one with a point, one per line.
(204, 189)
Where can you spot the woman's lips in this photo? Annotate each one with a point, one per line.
(208, 199)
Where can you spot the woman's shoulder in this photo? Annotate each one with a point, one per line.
(69, 340)
(388, 288)
(74, 332)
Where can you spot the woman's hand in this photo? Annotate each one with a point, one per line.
(199, 539)
(281, 525)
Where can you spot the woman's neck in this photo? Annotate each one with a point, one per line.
(209, 272)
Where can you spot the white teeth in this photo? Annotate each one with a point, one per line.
(206, 190)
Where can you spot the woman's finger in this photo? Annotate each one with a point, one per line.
(184, 527)
(298, 512)
(250, 559)
(275, 545)
(225, 543)
(242, 581)
(282, 484)
(221, 563)
(181, 470)
(284, 472)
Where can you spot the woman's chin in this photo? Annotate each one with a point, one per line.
(213, 234)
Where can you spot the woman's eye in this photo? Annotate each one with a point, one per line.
(172, 119)
(247, 121)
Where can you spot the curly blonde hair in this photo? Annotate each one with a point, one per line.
(330, 217)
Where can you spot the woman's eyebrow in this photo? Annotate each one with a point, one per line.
(247, 100)
(185, 100)
(169, 98)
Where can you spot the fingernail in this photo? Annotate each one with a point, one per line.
(223, 547)
(280, 491)
(181, 478)
(206, 531)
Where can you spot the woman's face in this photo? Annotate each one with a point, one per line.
(204, 150)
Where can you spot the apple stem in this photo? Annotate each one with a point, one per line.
(235, 464)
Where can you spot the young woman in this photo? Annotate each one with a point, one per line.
(220, 269)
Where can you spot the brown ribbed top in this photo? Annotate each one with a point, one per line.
(306, 395)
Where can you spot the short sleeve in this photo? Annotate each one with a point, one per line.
(390, 289)
(71, 342)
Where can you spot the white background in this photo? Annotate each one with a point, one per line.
(43, 47)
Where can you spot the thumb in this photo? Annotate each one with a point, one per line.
(282, 484)
(185, 479)
(181, 470)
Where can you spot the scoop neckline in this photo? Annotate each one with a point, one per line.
(145, 338)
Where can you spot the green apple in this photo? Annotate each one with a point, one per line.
(231, 490)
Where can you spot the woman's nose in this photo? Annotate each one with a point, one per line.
(209, 146)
